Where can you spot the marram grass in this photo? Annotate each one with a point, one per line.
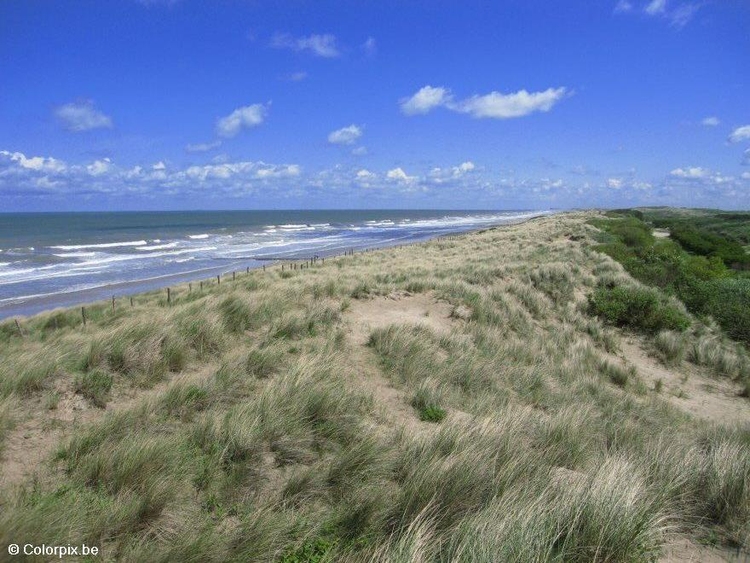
(248, 422)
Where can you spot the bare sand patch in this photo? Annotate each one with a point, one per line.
(31, 443)
(685, 550)
(397, 308)
(708, 398)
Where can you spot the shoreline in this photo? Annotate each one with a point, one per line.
(89, 297)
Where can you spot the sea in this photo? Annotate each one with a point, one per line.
(50, 260)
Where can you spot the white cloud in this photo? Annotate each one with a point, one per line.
(345, 135)
(298, 76)
(493, 105)
(99, 167)
(241, 118)
(159, 166)
(614, 183)
(319, 45)
(677, 15)
(443, 175)
(681, 16)
(703, 176)
(623, 6)
(82, 116)
(364, 173)
(710, 121)
(399, 175)
(740, 134)
(37, 163)
(505, 106)
(370, 47)
(425, 99)
(203, 147)
(690, 173)
(283, 171)
(656, 7)
(359, 151)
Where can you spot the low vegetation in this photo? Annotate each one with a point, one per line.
(245, 422)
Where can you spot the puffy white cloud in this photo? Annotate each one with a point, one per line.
(266, 171)
(505, 106)
(99, 167)
(242, 118)
(203, 147)
(426, 99)
(319, 45)
(442, 175)
(656, 7)
(614, 183)
(365, 174)
(37, 163)
(345, 135)
(82, 116)
(398, 175)
(711, 121)
(740, 134)
(700, 176)
(690, 173)
(29, 175)
(494, 105)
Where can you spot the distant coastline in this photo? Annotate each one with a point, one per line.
(98, 258)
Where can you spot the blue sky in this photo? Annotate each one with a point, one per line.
(183, 104)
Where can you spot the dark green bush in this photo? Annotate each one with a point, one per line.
(432, 413)
(728, 302)
(640, 309)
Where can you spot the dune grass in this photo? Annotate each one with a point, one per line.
(249, 434)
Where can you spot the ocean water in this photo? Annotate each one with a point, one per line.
(61, 259)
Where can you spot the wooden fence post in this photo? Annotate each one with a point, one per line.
(113, 303)
(169, 296)
(18, 326)
(83, 315)
(218, 279)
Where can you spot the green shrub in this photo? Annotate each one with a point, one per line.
(312, 551)
(432, 413)
(637, 308)
(426, 402)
